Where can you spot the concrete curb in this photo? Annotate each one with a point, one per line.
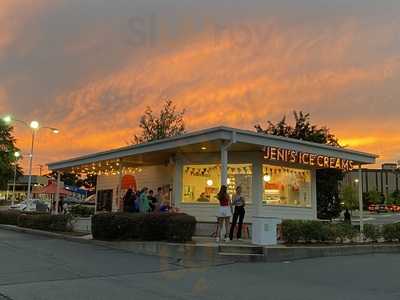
(211, 253)
(280, 254)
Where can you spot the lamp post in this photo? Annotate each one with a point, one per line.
(35, 127)
(17, 155)
(358, 182)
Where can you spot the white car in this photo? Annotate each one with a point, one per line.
(31, 205)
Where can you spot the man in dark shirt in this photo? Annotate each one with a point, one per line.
(152, 200)
(347, 217)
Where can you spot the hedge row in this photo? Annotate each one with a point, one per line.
(34, 220)
(388, 232)
(391, 232)
(45, 222)
(297, 231)
(9, 217)
(148, 227)
(81, 211)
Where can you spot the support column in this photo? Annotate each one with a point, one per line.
(58, 192)
(314, 195)
(224, 164)
(7, 193)
(177, 183)
(360, 199)
(14, 182)
(257, 187)
(118, 200)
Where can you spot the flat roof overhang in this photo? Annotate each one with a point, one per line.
(158, 152)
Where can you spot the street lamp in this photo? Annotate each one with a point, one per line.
(7, 119)
(35, 127)
(17, 155)
(358, 183)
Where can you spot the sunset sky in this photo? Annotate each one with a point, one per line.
(90, 67)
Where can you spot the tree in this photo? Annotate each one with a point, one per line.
(393, 199)
(349, 197)
(169, 123)
(67, 178)
(7, 157)
(373, 197)
(75, 180)
(302, 130)
(89, 182)
(328, 180)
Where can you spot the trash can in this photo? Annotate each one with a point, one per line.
(264, 230)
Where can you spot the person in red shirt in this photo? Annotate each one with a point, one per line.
(224, 213)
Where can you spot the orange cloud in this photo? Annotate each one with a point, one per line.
(225, 81)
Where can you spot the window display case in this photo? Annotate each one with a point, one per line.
(201, 183)
(286, 186)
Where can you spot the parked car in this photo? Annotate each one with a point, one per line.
(372, 208)
(71, 200)
(393, 208)
(382, 208)
(31, 205)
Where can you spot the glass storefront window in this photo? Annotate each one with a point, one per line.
(286, 186)
(201, 183)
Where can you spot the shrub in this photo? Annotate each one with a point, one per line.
(315, 231)
(155, 226)
(9, 217)
(181, 228)
(44, 222)
(149, 227)
(81, 211)
(372, 232)
(391, 232)
(116, 226)
(101, 226)
(343, 231)
(291, 231)
(308, 231)
(294, 231)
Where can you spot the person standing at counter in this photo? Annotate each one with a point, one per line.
(239, 202)
(159, 196)
(224, 212)
(152, 200)
(144, 205)
(128, 201)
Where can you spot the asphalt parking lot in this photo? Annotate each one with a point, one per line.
(35, 267)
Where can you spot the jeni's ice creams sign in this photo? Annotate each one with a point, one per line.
(304, 158)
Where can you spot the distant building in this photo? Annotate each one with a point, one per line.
(21, 185)
(385, 180)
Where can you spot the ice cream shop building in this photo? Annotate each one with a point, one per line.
(277, 175)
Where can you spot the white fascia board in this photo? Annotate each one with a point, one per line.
(218, 133)
(161, 145)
